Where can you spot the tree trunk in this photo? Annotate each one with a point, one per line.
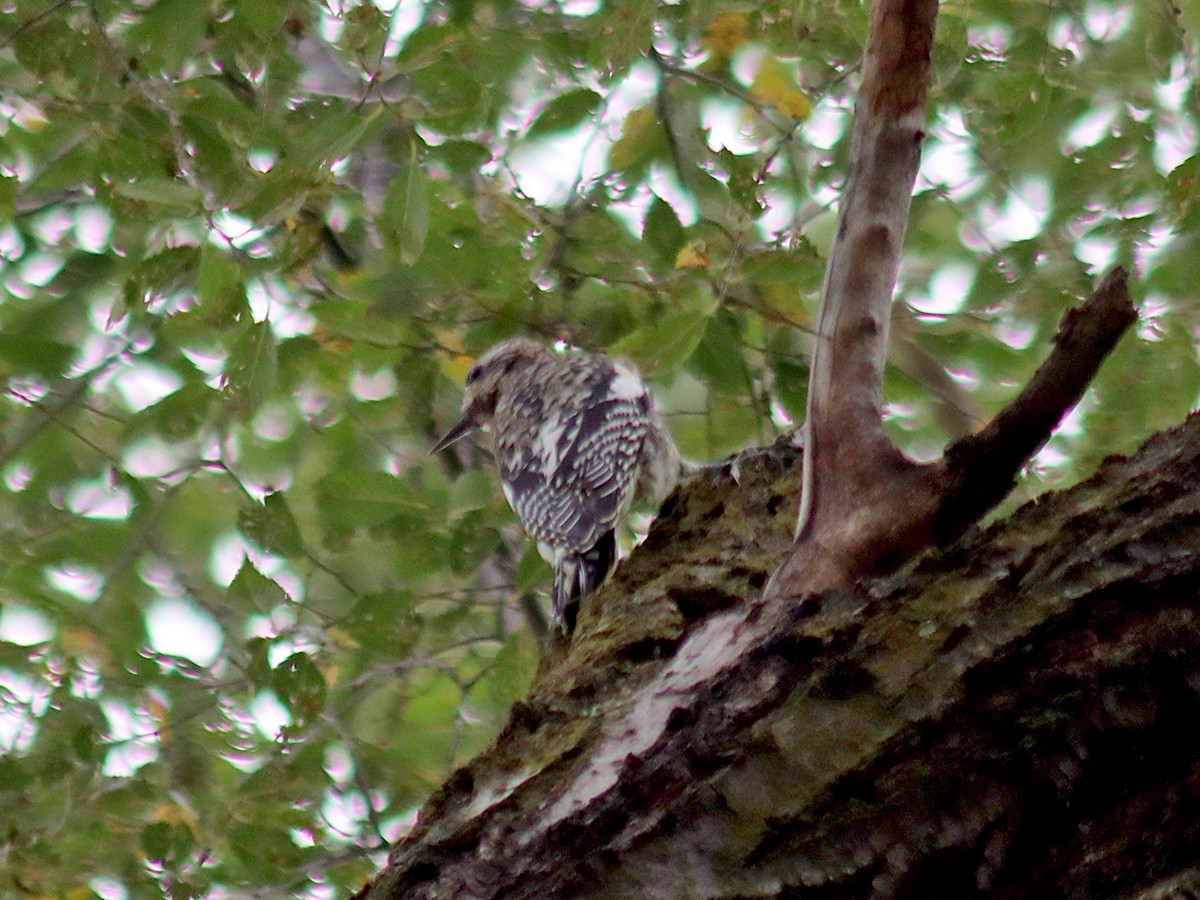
(1013, 715)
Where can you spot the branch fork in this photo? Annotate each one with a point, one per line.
(864, 507)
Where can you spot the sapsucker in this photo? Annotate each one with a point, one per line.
(577, 438)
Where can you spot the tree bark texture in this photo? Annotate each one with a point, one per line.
(1013, 715)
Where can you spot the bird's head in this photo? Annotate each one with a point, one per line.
(486, 380)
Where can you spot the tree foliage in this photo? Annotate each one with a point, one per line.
(250, 246)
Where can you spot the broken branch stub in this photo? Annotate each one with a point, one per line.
(982, 467)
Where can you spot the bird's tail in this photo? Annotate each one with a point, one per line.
(581, 573)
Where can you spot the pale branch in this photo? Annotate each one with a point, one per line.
(845, 439)
(864, 507)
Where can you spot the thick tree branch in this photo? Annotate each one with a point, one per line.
(1011, 716)
(853, 474)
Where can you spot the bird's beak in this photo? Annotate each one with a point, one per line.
(464, 427)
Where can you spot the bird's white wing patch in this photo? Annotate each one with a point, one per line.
(627, 385)
(550, 444)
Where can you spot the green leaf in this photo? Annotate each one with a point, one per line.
(179, 414)
(252, 368)
(661, 346)
(279, 195)
(330, 133)
(663, 230)
(464, 158)
(642, 139)
(258, 670)
(406, 212)
(472, 490)
(300, 685)
(514, 668)
(252, 590)
(564, 112)
(263, 17)
(166, 33)
(435, 707)
(719, 357)
(364, 24)
(23, 354)
(384, 623)
(9, 186)
(168, 271)
(221, 285)
(361, 498)
(799, 266)
(267, 851)
(1183, 189)
(272, 526)
(172, 196)
(789, 361)
(533, 572)
(156, 841)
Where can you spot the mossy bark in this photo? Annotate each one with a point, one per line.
(1013, 715)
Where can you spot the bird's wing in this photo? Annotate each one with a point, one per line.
(569, 468)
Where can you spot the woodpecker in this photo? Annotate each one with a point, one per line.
(577, 438)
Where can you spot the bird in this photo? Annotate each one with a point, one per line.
(577, 439)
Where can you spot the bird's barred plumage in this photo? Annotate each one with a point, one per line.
(576, 438)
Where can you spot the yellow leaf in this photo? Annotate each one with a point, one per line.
(80, 641)
(341, 638)
(458, 362)
(631, 146)
(725, 34)
(30, 117)
(330, 674)
(76, 641)
(326, 339)
(775, 85)
(79, 892)
(175, 814)
(788, 302)
(694, 255)
(159, 711)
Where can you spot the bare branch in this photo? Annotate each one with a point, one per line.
(984, 466)
(855, 480)
(864, 507)
(846, 444)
